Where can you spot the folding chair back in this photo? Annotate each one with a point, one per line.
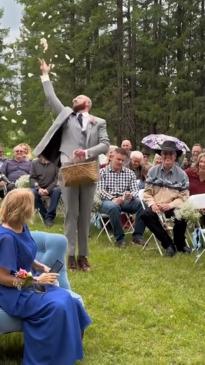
(197, 201)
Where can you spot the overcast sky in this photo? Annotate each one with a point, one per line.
(11, 18)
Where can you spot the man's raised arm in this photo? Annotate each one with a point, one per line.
(53, 100)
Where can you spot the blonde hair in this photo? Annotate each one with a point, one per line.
(17, 207)
(198, 159)
(28, 148)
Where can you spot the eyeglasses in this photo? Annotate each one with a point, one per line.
(20, 151)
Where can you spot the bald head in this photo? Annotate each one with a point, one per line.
(82, 103)
(126, 144)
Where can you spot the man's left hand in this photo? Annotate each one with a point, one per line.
(79, 153)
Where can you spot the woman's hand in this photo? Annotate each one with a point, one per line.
(39, 266)
(47, 278)
(45, 268)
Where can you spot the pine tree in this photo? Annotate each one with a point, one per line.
(140, 61)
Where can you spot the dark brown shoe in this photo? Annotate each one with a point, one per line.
(72, 264)
(138, 241)
(83, 263)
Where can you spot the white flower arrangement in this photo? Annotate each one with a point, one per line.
(23, 182)
(188, 213)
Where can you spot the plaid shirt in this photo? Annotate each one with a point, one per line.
(113, 184)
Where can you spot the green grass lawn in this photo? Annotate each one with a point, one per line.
(146, 309)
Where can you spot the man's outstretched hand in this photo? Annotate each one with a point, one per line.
(45, 69)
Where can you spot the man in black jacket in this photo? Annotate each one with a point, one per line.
(43, 178)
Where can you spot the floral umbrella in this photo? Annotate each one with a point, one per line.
(154, 141)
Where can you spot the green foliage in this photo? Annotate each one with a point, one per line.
(6, 87)
(141, 62)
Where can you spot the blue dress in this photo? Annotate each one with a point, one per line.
(52, 321)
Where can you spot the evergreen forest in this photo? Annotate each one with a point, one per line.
(141, 62)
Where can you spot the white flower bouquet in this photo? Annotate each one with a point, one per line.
(23, 182)
(188, 213)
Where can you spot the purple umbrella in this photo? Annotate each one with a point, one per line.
(154, 141)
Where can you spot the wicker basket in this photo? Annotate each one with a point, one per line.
(79, 173)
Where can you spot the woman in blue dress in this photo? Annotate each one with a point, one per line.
(53, 321)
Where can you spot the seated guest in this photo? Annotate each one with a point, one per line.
(146, 154)
(136, 163)
(195, 152)
(196, 177)
(3, 180)
(16, 167)
(127, 146)
(145, 169)
(186, 161)
(118, 191)
(3, 185)
(43, 179)
(166, 189)
(102, 158)
(2, 157)
(157, 160)
(27, 151)
(53, 320)
(108, 155)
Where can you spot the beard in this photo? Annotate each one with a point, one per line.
(79, 107)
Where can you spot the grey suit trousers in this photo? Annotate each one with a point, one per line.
(78, 202)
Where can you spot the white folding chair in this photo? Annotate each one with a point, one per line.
(198, 202)
(105, 222)
(151, 236)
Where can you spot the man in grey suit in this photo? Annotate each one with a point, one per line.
(74, 133)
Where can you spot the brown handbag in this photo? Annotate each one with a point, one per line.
(73, 174)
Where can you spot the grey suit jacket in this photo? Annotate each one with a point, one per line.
(97, 140)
